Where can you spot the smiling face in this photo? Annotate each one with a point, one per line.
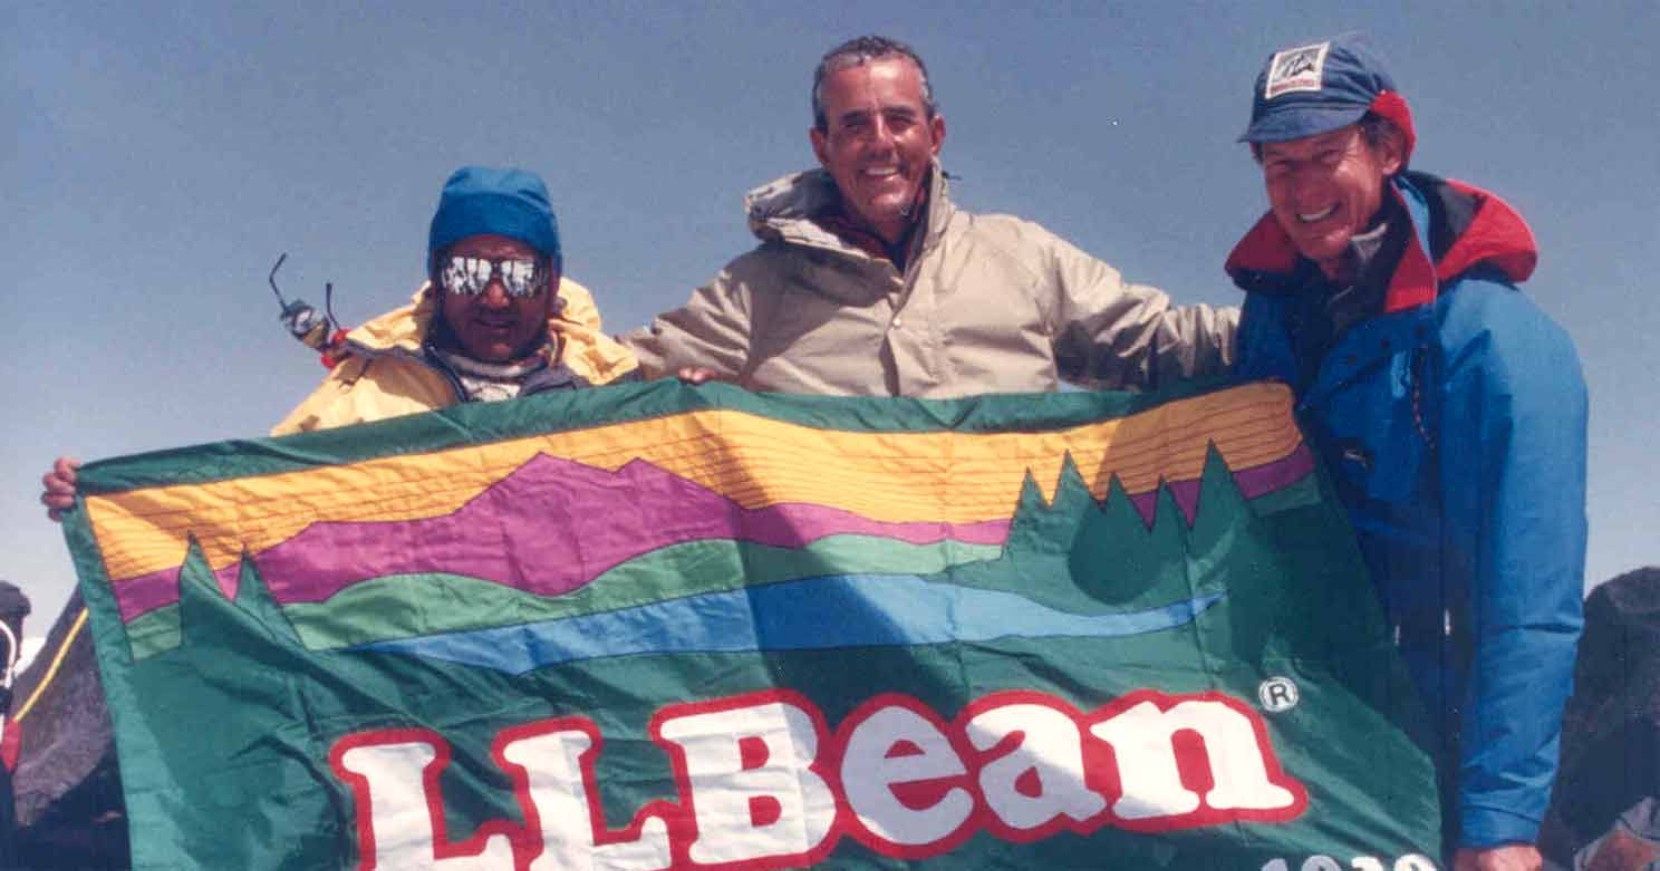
(492, 326)
(1326, 189)
(879, 141)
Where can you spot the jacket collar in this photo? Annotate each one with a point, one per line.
(1456, 228)
(401, 329)
(790, 209)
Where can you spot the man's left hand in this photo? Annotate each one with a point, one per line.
(695, 375)
(1509, 857)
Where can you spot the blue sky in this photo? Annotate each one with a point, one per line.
(162, 156)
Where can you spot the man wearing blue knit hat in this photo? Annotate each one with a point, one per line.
(496, 319)
(1449, 410)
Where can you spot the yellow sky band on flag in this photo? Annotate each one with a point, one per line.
(892, 476)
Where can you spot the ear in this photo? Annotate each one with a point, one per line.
(553, 301)
(1391, 150)
(821, 142)
(937, 124)
(556, 303)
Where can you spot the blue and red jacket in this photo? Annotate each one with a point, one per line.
(1452, 421)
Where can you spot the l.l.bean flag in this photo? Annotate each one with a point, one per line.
(654, 626)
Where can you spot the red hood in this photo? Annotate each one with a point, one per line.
(1492, 234)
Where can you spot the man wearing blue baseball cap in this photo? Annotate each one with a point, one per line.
(1450, 411)
(496, 319)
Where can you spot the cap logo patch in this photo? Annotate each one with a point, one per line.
(1296, 69)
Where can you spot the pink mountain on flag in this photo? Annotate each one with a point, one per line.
(583, 521)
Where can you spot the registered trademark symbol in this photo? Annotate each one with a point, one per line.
(1277, 694)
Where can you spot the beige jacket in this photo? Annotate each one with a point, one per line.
(987, 303)
(385, 372)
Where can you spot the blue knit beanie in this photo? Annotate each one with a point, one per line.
(481, 200)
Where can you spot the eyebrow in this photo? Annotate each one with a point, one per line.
(510, 256)
(1322, 142)
(860, 114)
(1337, 138)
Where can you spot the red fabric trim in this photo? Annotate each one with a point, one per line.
(853, 234)
(1266, 248)
(335, 351)
(11, 746)
(1392, 106)
(1497, 235)
(1414, 282)
(849, 230)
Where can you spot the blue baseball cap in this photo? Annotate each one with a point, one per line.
(1307, 90)
(482, 200)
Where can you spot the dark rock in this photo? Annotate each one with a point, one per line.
(1611, 731)
(67, 784)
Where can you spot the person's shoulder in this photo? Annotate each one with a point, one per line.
(763, 263)
(1489, 321)
(401, 328)
(1489, 305)
(573, 290)
(771, 268)
(1000, 226)
(1014, 239)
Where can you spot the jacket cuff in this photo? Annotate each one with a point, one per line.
(1483, 827)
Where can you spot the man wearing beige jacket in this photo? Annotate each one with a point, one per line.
(869, 282)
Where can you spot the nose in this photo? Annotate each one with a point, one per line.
(881, 135)
(495, 294)
(1303, 184)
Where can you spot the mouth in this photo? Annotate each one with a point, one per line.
(493, 325)
(880, 172)
(1315, 217)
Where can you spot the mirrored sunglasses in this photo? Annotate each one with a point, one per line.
(471, 275)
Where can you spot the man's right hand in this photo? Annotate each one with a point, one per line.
(1506, 857)
(59, 483)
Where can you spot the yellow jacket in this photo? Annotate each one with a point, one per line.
(386, 374)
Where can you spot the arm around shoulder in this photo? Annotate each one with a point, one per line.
(1114, 334)
(710, 332)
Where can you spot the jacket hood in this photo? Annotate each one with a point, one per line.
(403, 328)
(1469, 228)
(783, 210)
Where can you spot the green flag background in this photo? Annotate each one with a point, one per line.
(656, 626)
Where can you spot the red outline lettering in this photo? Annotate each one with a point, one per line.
(850, 821)
(1189, 759)
(598, 829)
(441, 847)
(1095, 761)
(683, 835)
